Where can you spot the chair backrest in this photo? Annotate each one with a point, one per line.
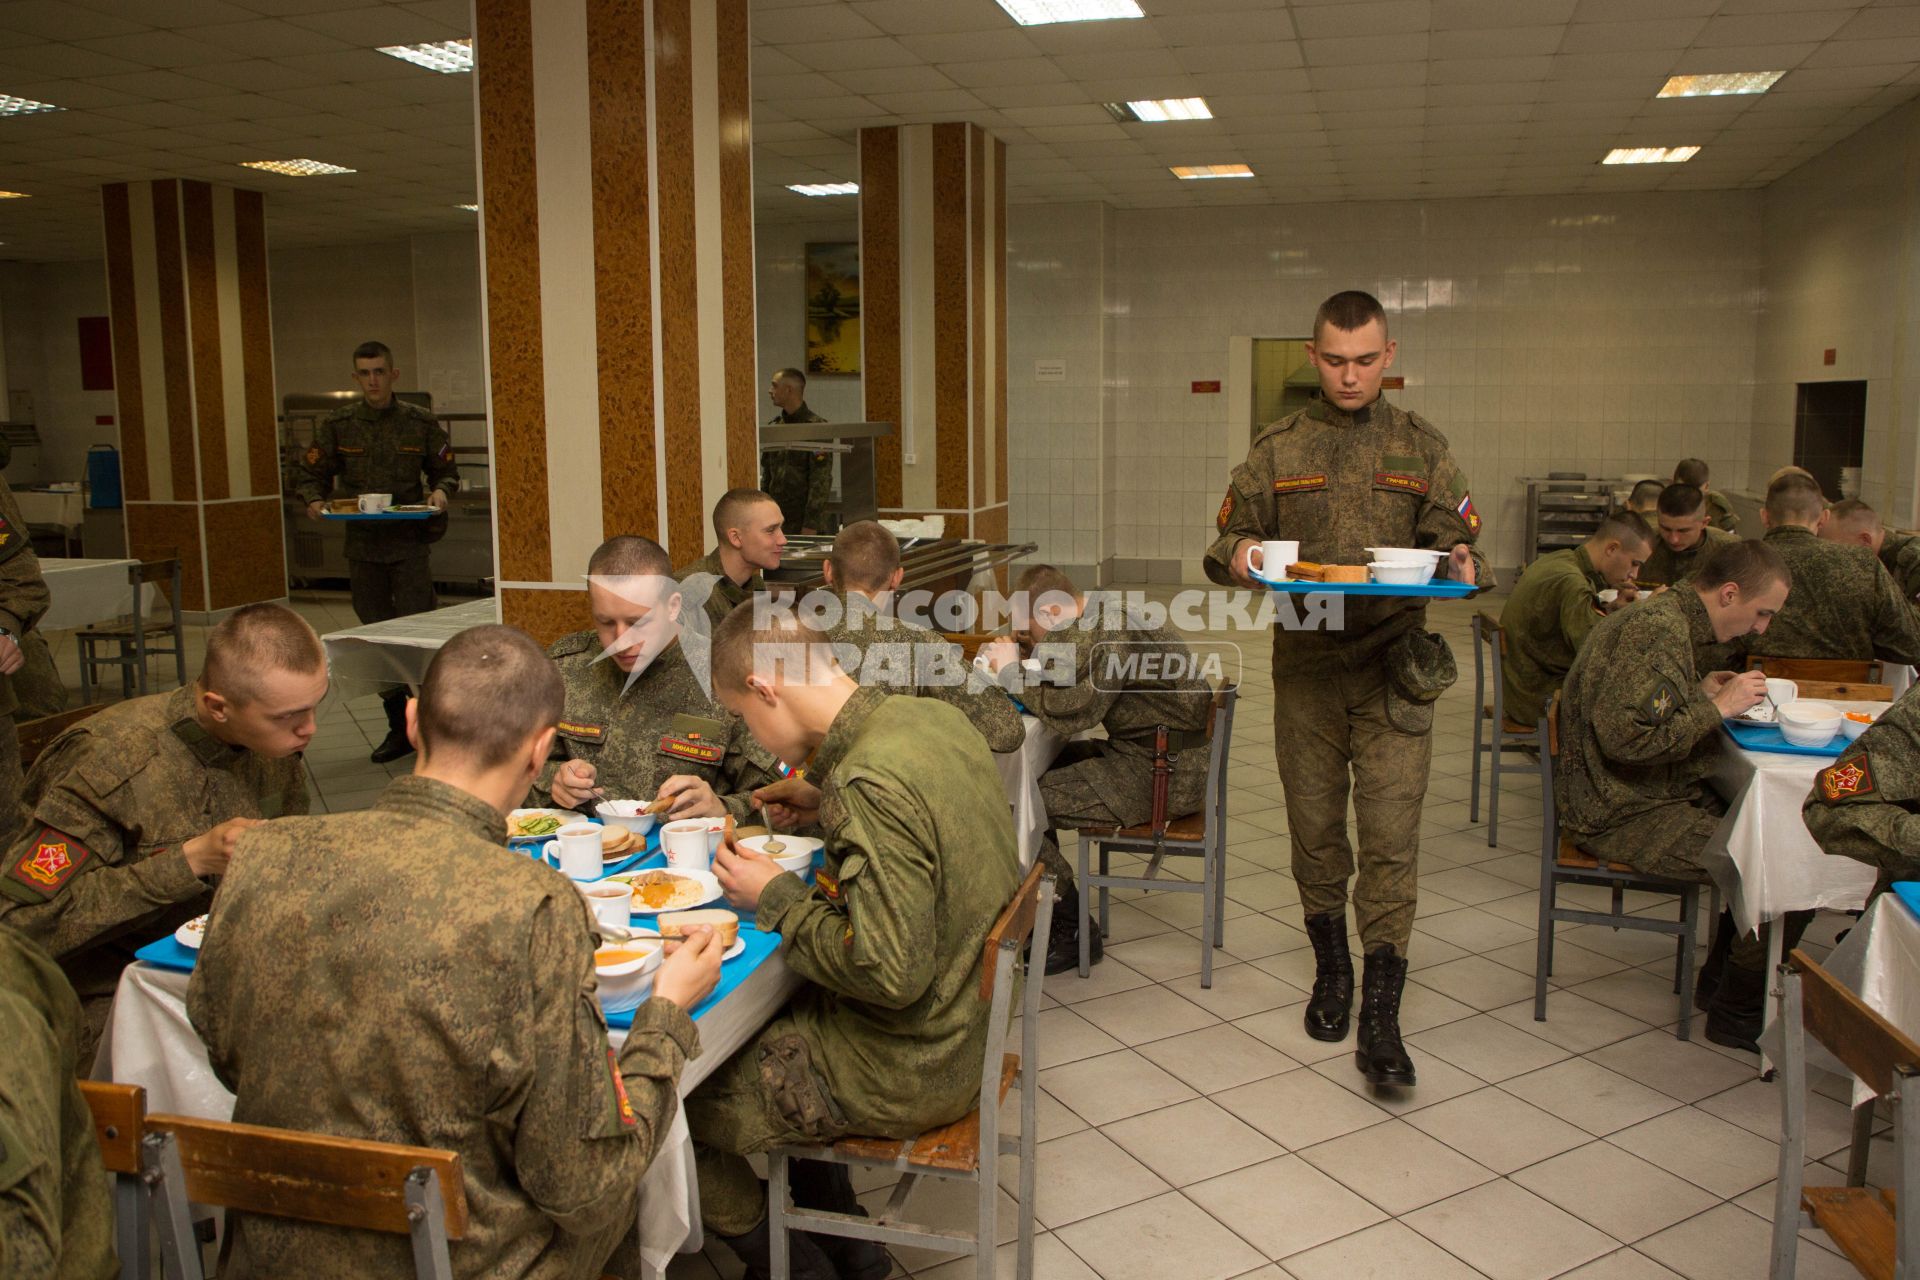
(149, 571)
(310, 1177)
(969, 641)
(36, 734)
(1865, 1042)
(119, 1122)
(1837, 692)
(1835, 670)
(1219, 742)
(1013, 927)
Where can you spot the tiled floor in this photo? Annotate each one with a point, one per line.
(1200, 1135)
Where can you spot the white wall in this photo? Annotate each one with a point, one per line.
(1842, 235)
(1603, 334)
(780, 309)
(42, 304)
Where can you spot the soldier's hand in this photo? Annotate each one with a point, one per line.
(209, 854)
(1740, 692)
(314, 509)
(743, 874)
(1241, 569)
(692, 798)
(790, 802)
(573, 784)
(11, 659)
(1460, 563)
(691, 969)
(437, 499)
(999, 653)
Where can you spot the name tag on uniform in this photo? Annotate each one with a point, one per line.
(1300, 484)
(692, 748)
(351, 450)
(580, 731)
(1395, 480)
(407, 448)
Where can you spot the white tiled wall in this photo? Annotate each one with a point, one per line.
(780, 305)
(42, 304)
(1842, 273)
(328, 301)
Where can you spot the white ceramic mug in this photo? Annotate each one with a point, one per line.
(374, 503)
(610, 900)
(691, 842)
(576, 851)
(1271, 560)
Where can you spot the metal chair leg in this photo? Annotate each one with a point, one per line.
(1792, 1083)
(1689, 908)
(1493, 789)
(1208, 872)
(1085, 906)
(780, 1265)
(1219, 856)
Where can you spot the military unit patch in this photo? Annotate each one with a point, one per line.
(621, 1100)
(1840, 781)
(581, 731)
(1466, 512)
(692, 748)
(50, 861)
(1662, 702)
(1394, 480)
(1226, 510)
(824, 881)
(6, 533)
(1300, 484)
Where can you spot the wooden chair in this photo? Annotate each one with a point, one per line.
(1202, 835)
(969, 1149)
(1489, 667)
(1876, 1230)
(1823, 670)
(970, 641)
(132, 646)
(36, 734)
(1835, 691)
(1563, 861)
(174, 1161)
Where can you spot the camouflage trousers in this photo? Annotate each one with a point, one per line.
(13, 781)
(1092, 784)
(37, 685)
(1332, 740)
(1672, 841)
(391, 589)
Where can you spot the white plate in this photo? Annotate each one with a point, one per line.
(707, 879)
(190, 933)
(739, 948)
(565, 815)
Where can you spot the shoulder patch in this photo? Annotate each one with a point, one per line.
(1226, 511)
(1300, 484)
(622, 1106)
(1662, 702)
(1466, 512)
(694, 748)
(8, 538)
(49, 862)
(1846, 781)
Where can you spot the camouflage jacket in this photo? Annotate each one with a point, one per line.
(1843, 605)
(1548, 617)
(397, 975)
(23, 593)
(886, 652)
(802, 483)
(1636, 732)
(1667, 566)
(56, 1212)
(1338, 483)
(1900, 553)
(101, 868)
(637, 738)
(380, 451)
(725, 594)
(1720, 512)
(1866, 804)
(920, 861)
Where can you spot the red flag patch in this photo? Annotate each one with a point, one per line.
(50, 861)
(1839, 781)
(1467, 513)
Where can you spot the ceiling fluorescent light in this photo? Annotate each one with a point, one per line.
(13, 195)
(1650, 155)
(449, 57)
(1159, 110)
(1211, 171)
(1718, 84)
(12, 106)
(470, 208)
(1038, 13)
(824, 188)
(296, 168)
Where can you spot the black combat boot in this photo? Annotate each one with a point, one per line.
(816, 1184)
(1378, 1052)
(1063, 941)
(1734, 1015)
(1709, 980)
(395, 744)
(1330, 1009)
(804, 1258)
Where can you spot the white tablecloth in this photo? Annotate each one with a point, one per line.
(149, 1042)
(1879, 961)
(398, 650)
(66, 510)
(1020, 771)
(87, 591)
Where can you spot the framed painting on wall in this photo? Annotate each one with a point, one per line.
(833, 310)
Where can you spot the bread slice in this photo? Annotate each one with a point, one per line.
(678, 924)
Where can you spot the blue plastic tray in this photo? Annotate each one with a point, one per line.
(1908, 891)
(1767, 737)
(376, 515)
(1438, 589)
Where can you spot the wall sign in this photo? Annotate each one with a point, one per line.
(1207, 388)
(1050, 369)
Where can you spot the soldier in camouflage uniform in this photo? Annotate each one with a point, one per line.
(1845, 605)
(1349, 472)
(1866, 804)
(397, 975)
(801, 482)
(37, 686)
(23, 599)
(133, 812)
(56, 1214)
(384, 445)
(1107, 781)
(751, 538)
(638, 721)
(1639, 737)
(1555, 606)
(878, 648)
(1720, 514)
(1853, 521)
(888, 1035)
(1686, 536)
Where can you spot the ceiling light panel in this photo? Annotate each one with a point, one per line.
(1159, 110)
(1038, 13)
(296, 168)
(1650, 155)
(1719, 84)
(825, 188)
(1200, 171)
(12, 106)
(449, 57)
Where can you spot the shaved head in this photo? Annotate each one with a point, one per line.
(251, 644)
(487, 691)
